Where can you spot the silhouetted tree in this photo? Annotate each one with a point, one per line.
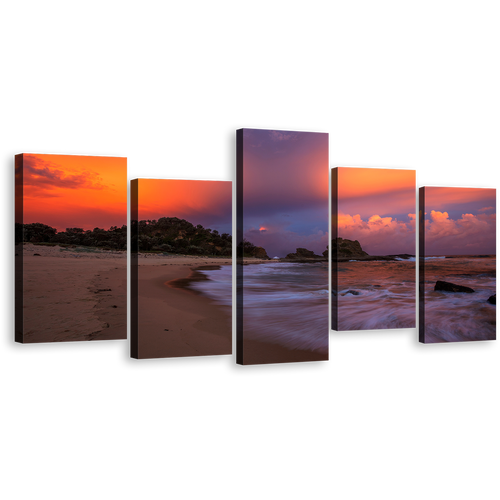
(167, 234)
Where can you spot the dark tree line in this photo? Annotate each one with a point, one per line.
(168, 234)
(174, 235)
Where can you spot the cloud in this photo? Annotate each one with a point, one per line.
(485, 209)
(385, 235)
(42, 177)
(466, 235)
(379, 235)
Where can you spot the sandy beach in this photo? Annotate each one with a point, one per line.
(76, 294)
(73, 294)
(173, 319)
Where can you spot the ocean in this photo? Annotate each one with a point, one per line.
(287, 303)
(455, 317)
(375, 295)
(386, 297)
(284, 303)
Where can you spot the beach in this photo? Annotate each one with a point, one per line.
(185, 306)
(80, 294)
(73, 294)
(260, 344)
(175, 319)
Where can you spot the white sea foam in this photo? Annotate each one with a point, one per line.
(285, 303)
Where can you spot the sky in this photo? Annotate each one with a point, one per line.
(285, 190)
(460, 221)
(65, 191)
(377, 207)
(74, 191)
(208, 203)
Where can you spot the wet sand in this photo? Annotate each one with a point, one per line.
(174, 321)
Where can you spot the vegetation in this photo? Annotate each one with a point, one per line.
(168, 234)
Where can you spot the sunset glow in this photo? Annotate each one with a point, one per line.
(377, 208)
(74, 191)
(285, 183)
(208, 203)
(460, 221)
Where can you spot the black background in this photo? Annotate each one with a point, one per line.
(167, 141)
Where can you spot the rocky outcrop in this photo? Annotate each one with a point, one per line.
(347, 248)
(260, 253)
(445, 286)
(303, 253)
(493, 299)
(256, 252)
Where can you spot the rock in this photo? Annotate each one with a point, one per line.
(351, 292)
(260, 253)
(347, 248)
(36, 255)
(325, 253)
(444, 286)
(303, 253)
(493, 299)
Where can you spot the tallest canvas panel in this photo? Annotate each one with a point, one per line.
(282, 238)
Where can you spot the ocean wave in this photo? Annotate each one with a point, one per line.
(284, 303)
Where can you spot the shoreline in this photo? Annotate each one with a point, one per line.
(194, 276)
(175, 327)
(173, 324)
(255, 351)
(84, 298)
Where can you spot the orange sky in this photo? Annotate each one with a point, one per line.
(75, 191)
(208, 203)
(376, 206)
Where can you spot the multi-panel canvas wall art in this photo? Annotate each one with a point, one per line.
(71, 248)
(282, 239)
(373, 248)
(457, 264)
(181, 274)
